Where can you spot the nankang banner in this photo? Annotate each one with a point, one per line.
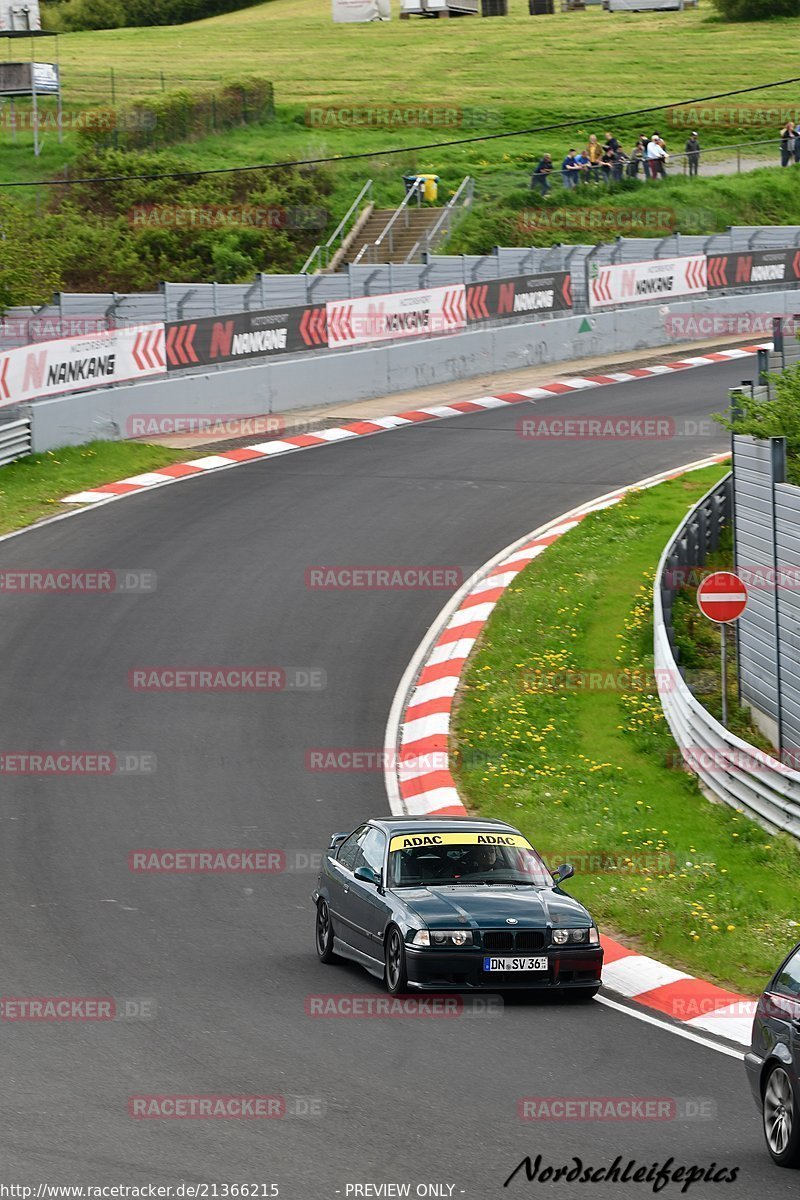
(79, 363)
(257, 334)
(396, 315)
(753, 267)
(636, 282)
(519, 296)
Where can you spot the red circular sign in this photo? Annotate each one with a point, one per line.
(722, 597)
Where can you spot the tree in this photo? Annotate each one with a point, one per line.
(778, 417)
(756, 10)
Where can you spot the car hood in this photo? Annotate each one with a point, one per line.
(488, 907)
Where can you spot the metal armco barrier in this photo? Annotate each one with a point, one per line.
(270, 332)
(15, 440)
(729, 768)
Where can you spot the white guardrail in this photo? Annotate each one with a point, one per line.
(729, 768)
(15, 440)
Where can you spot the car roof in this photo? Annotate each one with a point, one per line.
(393, 825)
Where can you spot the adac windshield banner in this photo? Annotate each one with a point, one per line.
(78, 363)
(655, 279)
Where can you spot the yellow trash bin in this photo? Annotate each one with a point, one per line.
(431, 191)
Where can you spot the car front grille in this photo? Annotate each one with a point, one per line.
(505, 939)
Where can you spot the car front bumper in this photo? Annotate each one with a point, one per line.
(442, 970)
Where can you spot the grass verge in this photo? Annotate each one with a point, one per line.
(32, 488)
(583, 766)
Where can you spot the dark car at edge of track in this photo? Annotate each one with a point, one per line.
(453, 903)
(773, 1061)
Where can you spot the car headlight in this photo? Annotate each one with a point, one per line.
(442, 937)
(582, 936)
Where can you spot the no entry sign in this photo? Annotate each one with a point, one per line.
(722, 597)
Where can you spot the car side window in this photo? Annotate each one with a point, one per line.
(374, 847)
(349, 850)
(787, 981)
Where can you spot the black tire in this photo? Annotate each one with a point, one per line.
(781, 1117)
(324, 934)
(394, 956)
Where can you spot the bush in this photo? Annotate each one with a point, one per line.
(71, 16)
(182, 116)
(131, 234)
(756, 10)
(33, 272)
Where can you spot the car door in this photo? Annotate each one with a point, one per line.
(366, 907)
(787, 984)
(340, 877)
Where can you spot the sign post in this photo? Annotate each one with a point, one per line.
(722, 597)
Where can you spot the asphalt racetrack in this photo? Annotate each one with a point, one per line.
(218, 969)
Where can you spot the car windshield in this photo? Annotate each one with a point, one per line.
(447, 859)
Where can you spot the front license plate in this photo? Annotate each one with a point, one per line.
(515, 964)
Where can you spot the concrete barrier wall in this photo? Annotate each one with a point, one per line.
(281, 385)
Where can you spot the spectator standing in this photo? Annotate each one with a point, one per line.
(788, 143)
(656, 157)
(539, 178)
(606, 164)
(584, 162)
(594, 152)
(693, 153)
(619, 159)
(611, 143)
(636, 159)
(570, 171)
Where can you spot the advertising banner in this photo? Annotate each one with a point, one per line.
(519, 295)
(350, 11)
(257, 334)
(396, 315)
(78, 363)
(752, 267)
(656, 279)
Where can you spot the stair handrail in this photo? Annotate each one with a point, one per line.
(414, 193)
(462, 199)
(321, 254)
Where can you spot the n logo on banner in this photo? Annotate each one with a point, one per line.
(221, 339)
(744, 267)
(505, 298)
(33, 380)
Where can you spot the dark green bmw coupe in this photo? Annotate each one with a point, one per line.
(453, 903)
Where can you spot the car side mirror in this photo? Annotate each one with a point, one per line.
(367, 875)
(336, 840)
(565, 871)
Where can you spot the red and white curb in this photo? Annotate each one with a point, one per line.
(419, 781)
(234, 458)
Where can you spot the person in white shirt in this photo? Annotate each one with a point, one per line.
(656, 156)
